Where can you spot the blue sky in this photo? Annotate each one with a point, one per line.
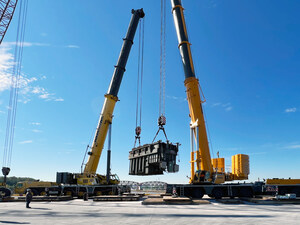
(246, 56)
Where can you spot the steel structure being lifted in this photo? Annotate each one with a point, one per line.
(153, 159)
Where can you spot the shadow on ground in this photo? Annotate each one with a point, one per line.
(13, 222)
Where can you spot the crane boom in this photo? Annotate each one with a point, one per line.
(112, 95)
(203, 159)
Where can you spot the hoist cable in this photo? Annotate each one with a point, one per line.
(162, 70)
(164, 57)
(142, 71)
(8, 122)
(14, 89)
(160, 65)
(18, 78)
(138, 79)
(208, 133)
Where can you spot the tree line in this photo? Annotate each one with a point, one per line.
(12, 181)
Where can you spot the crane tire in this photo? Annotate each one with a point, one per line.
(217, 193)
(5, 192)
(198, 193)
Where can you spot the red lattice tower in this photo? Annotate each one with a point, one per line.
(7, 9)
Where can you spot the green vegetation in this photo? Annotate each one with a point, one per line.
(12, 181)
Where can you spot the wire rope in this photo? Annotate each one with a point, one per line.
(15, 78)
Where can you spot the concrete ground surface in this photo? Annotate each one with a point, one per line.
(117, 213)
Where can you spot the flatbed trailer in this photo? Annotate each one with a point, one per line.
(80, 190)
(232, 190)
(216, 191)
(281, 189)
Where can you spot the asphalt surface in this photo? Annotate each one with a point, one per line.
(89, 212)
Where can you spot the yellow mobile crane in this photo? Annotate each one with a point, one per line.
(88, 181)
(210, 174)
(95, 183)
(207, 169)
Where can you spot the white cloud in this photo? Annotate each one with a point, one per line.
(226, 106)
(59, 100)
(216, 104)
(36, 131)
(292, 147)
(2, 112)
(25, 44)
(72, 46)
(290, 110)
(26, 84)
(35, 123)
(47, 96)
(229, 108)
(38, 90)
(26, 142)
(181, 99)
(43, 34)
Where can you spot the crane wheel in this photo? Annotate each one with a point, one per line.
(68, 193)
(198, 193)
(246, 192)
(98, 193)
(42, 193)
(217, 193)
(5, 192)
(80, 194)
(34, 192)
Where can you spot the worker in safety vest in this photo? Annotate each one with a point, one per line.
(28, 198)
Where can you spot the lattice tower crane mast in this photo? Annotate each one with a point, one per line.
(7, 9)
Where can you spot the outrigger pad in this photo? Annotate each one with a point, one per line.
(153, 159)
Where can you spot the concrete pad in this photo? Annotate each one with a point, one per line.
(133, 213)
(7, 199)
(230, 201)
(153, 201)
(161, 201)
(271, 201)
(200, 201)
(176, 199)
(45, 198)
(155, 196)
(116, 198)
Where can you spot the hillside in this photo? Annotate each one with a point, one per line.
(12, 181)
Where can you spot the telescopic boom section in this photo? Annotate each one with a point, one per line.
(112, 95)
(191, 83)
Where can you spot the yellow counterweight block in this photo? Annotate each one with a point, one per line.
(218, 165)
(196, 114)
(104, 122)
(240, 166)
